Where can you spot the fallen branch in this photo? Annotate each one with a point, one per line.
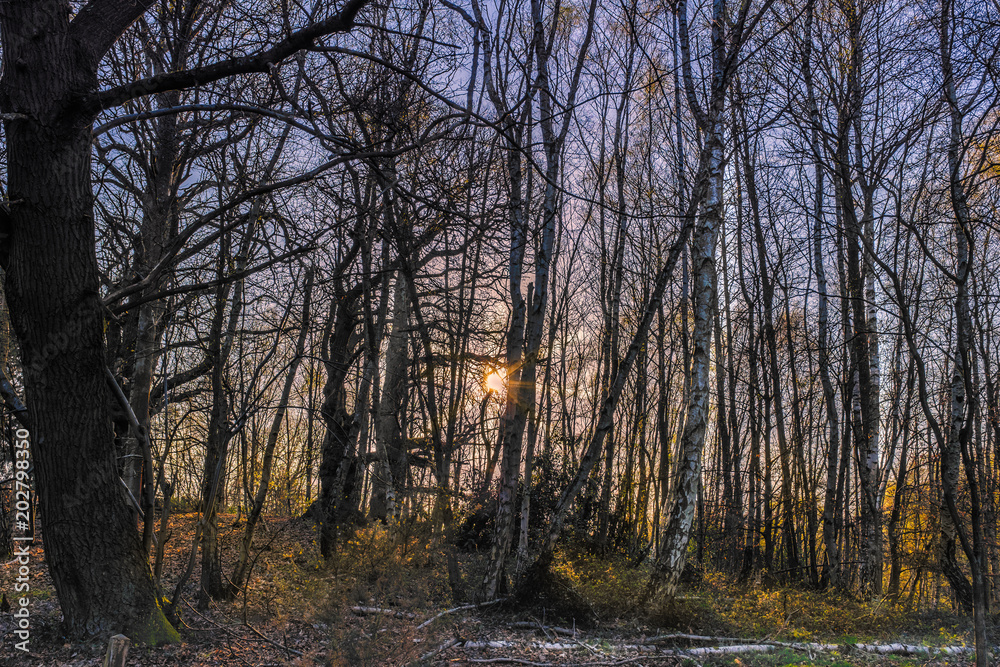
(693, 638)
(911, 649)
(493, 644)
(520, 661)
(726, 650)
(747, 646)
(378, 611)
(440, 649)
(272, 642)
(515, 661)
(880, 649)
(229, 631)
(462, 608)
(531, 625)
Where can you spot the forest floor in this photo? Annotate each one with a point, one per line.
(369, 606)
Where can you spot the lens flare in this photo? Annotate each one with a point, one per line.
(495, 382)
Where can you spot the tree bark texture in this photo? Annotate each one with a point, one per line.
(94, 553)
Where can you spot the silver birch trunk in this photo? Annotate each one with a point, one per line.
(963, 390)
(678, 532)
(390, 473)
(831, 572)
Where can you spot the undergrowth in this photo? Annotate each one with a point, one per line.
(297, 599)
(404, 569)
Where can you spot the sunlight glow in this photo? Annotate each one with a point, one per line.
(495, 382)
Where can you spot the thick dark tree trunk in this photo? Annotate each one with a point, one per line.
(94, 553)
(338, 456)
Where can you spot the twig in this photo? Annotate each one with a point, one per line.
(586, 646)
(440, 649)
(271, 641)
(229, 631)
(516, 661)
(532, 625)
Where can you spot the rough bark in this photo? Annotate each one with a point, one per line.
(95, 556)
(49, 98)
(338, 455)
(678, 531)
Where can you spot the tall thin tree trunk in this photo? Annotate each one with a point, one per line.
(960, 445)
(389, 480)
(243, 561)
(213, 482)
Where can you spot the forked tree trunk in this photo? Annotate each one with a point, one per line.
(341, 430)
(524, 348)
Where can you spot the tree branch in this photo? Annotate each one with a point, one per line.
(101, 22)
(342, 21)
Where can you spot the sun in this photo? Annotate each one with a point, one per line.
(495, 382)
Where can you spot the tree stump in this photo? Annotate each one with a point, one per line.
(117, 652)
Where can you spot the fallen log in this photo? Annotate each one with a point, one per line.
(462, 608)
(531, 625)
(913, 649)
(727, 650)
(378, 611)
(493, 644)
(748, 646)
